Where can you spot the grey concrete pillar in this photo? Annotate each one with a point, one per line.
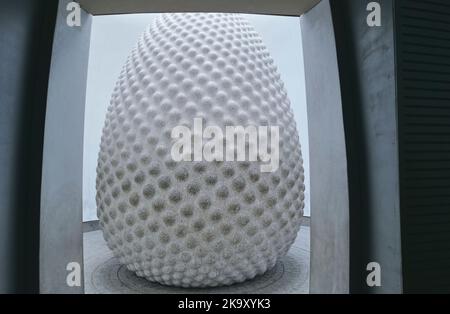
(328, 161)
(61, 212)
(366, 57)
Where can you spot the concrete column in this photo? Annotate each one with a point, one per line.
(328, 160)
(366, 57)
(62, 168)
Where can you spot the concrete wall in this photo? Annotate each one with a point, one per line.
(26, 34)
(367, 73)
(367, 156)
(61, 213)
(328, 162)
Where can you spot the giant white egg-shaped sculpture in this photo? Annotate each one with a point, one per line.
(197, 223)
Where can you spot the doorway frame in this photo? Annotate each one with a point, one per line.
(61, 230)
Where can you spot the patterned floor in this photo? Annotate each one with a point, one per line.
(104, 274)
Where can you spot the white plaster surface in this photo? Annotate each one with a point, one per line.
(197, 224)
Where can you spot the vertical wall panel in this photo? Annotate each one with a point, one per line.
(423, 47)
(328, 160)
(367, 72)
(61, 239)
(26, 34)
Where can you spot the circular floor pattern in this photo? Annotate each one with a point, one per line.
(104, 273)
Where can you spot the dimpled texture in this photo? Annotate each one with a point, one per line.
(197, 224)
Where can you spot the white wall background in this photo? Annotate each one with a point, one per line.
(113, 37)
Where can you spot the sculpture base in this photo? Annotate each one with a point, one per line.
(104, 273)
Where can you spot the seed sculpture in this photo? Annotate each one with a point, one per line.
(197, 223)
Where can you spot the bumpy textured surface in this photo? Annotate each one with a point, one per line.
(197, 224)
